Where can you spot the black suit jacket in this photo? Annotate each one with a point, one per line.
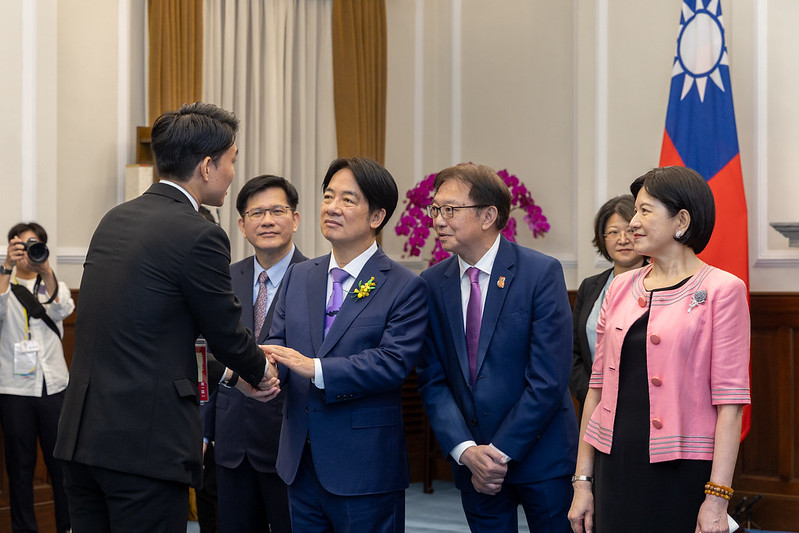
(241, 426)
(156, 276)
(587, 294)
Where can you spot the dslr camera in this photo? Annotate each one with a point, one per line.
(37, 251)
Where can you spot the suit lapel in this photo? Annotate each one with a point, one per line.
(451, 299)
(243, 284)
(297, 257)
(351, 307)
(317, 287)
(503, 268)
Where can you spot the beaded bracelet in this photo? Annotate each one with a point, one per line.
(722, 487)
(720, 491)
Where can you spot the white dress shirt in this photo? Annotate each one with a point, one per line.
(484, 265)
(51, 366)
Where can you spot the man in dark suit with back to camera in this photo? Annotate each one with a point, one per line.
(156, 276)
(495, 371)
(348, 329)
(245, 432)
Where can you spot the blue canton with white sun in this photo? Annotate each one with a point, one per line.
(700, 120)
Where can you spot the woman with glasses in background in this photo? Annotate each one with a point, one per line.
(613, 240)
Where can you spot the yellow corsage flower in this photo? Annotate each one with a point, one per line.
(363, 289)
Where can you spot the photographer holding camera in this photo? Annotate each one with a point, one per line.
(33, 372)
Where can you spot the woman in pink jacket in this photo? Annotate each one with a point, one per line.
(662, 419)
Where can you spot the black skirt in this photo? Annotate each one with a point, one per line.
(631, 494)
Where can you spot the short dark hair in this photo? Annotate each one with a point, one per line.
(183, 138)
(376, 183)
(261, 183)
(624, 206)
(487, 188)
(22, 227)
(682, 188)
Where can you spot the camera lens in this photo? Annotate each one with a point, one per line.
(37, 251)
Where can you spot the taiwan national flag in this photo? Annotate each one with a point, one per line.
(700, 134)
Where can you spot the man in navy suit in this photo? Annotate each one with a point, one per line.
(349, 326)
(251, 496)
(495, 371)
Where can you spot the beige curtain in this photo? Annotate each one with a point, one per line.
(359, 73)
(270, 63)
(176, 54)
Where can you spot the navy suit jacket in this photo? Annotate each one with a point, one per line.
(520, 401)
(241, 426)
(357, 437)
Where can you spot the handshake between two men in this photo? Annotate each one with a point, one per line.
(269, 387)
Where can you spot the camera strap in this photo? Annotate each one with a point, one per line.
(33, 306)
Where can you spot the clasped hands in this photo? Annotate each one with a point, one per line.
(267, 389)
(488, 467)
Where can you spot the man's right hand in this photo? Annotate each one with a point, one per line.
(487, 466)
(15, 252)
(267, 389)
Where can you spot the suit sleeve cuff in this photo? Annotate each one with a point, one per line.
(458, 450)
(318, 378)
(505, 456)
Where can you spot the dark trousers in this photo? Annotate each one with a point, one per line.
(252, 501)
(207, 510)
(546, 505)
(315, 510)
(26, 419)
(102, 501)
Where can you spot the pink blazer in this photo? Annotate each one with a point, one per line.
(697, 356)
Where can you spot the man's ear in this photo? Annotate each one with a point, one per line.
(204, 167)
(488, 216)
(295, 220)
(376, 218)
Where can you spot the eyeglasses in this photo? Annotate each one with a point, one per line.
(615, 235)
(259, 212)
(448, 211)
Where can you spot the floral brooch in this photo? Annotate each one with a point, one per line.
(698, 297)
(501, 282)
(363, 289)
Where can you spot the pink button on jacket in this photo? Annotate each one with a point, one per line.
(697, 357)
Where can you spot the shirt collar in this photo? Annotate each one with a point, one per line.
(276, 272)
(355, 266)
(184, 191)
(486, 263)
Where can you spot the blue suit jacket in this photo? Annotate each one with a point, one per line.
(520, 401)
(355, 424)
(241, 426)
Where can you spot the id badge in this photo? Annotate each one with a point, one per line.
(26, 357)
(201, 351)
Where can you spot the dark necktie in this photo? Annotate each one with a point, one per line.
(259, 310)
(473, 321)
(338, 276)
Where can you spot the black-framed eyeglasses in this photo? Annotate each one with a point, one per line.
(276, 212)
(615, 235)
(448, 211)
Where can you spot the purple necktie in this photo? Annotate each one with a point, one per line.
(473, 321)
(337, 275)
(259, 310)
